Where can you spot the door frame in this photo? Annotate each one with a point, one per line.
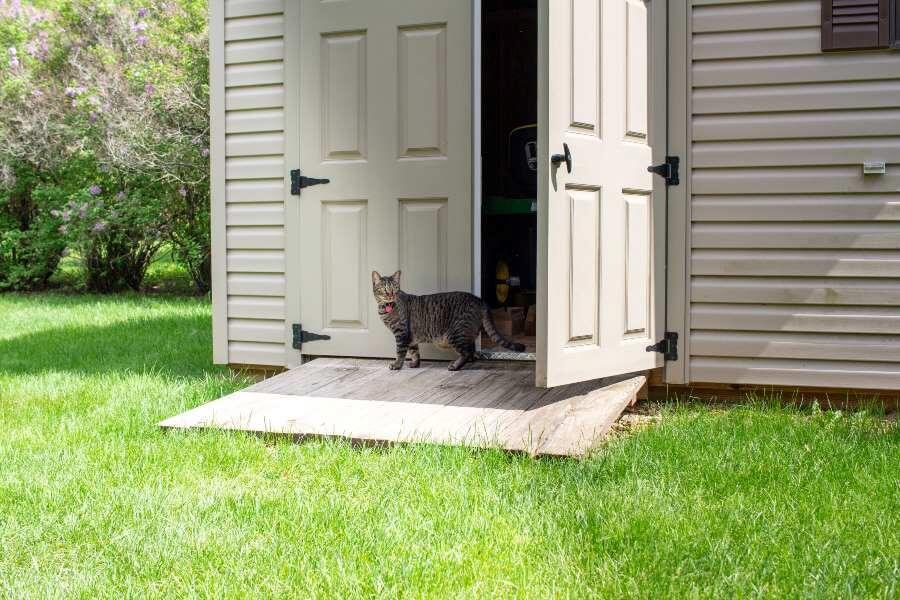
(678, 205)
(476, 150)
(292, 227)
(677, 263)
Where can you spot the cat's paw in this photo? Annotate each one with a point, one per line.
(395, 366)
(413, 364)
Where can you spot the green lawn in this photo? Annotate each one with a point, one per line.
(95, 501)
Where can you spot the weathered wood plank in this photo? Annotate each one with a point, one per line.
(578, 423)
(485, 405)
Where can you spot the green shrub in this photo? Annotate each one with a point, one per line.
(28, 258)
(112, 94)
(116, 224)
(31, 244)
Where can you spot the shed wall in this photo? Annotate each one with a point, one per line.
(248, 127)
(794, 254)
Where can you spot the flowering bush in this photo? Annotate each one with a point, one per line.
(115, 95)
(114, 223)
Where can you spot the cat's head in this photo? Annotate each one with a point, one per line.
(385, 288)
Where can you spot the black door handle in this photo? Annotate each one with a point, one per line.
(566, 157)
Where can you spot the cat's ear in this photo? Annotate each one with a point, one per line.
(375, 277)
(396, 277)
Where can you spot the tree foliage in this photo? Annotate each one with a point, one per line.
(111, 98)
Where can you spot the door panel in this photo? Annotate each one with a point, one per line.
(601, 227)
(385, 115)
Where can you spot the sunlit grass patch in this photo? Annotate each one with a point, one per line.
(96, 501)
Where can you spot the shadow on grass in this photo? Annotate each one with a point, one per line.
(167, 345)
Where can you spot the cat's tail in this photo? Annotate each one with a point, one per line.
(487, 322)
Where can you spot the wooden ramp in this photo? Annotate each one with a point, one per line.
(487, 404)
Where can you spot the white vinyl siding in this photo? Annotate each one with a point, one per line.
(252, 152)
(795, 255)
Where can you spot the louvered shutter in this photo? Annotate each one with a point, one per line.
(855, 24)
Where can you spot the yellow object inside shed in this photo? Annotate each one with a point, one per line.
(502, 275)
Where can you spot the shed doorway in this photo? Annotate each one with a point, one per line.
(506, 237)
(558, 211)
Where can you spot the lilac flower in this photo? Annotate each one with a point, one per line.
(13, 58)
(141, 40)
(104, 168)
(44, 46)
(120, 196)
(138, 27)
(149, 89)
(95, 190)
(38, 48)
(82, 212)
(37, 93)
(55, 213)
(66, 215)
(63, 229)
(142, 12)
(182, 191)
(205, 152)
(93, 116)
(98, 226)
(70, 92)
(35, 15)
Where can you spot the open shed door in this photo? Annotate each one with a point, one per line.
(384, 115)
(601, 230)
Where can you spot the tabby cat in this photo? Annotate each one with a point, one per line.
(451, 319)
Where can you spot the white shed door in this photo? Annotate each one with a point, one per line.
(385, 115)
(601, 230)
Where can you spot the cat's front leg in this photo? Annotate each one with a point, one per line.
(402, 347)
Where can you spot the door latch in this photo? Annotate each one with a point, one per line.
(667, 170)
(565, 157)
(298, 182)
(668, 346)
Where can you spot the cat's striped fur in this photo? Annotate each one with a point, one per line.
(451, 319)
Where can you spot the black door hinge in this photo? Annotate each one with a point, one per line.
(298, 182)
(668, 170)
(301, 336)
(668, 346)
